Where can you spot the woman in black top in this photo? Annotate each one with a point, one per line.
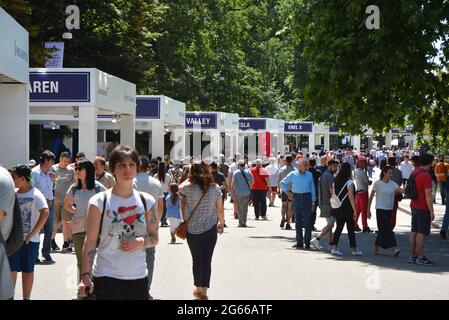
(347, 212)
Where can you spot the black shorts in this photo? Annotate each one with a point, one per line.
(421, 221)
(106, 288)
(285, 198)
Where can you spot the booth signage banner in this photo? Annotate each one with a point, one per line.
(57, 58)
(252, 124)
(298, 127)
(148, 108)
(60, 86)
(333, 129)
(201, 120)
(407, 130)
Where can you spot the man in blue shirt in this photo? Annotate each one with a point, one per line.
(303, 195)
(241, 187)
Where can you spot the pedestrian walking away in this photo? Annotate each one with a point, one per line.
(202, 207)
(241, 182)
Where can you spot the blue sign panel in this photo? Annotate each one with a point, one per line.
(55, 86)
(333, 129)
(201, 120)
(252, 124)
(298, 127)
(148, 108)
(407, 130)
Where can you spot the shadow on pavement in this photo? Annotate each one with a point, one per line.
(435, 249)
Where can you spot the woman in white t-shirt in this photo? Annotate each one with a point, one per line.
(385, 190)
(127, 228)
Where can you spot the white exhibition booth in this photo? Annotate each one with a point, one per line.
(211, 134)
(298, 129)
(76, 96)
(157, 115)
(265, 136)
(14, 128)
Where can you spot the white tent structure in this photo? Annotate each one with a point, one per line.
(14, 129)
(78, 96)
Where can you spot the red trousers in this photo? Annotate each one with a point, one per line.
(393, 213)
(361, 204)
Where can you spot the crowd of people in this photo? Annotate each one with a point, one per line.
(110, 211)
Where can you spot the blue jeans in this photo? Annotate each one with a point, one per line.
(302, 208)
(443, 191)
(48, 231)
(445, 225)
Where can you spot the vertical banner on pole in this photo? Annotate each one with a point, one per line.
(268, 143)
(264, 143)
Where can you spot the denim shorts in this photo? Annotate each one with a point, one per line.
(23, 260)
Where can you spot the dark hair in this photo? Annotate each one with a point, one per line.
(144, 162)
(425, 160)
(65, 154)
(288, 158)
(21, 170)
(201, 175)
(415, 159)
(332, 162)
(80, 155)
(174, 195)
(392, 161)
(214, 166)
(159, 159)
(121, 153)
(90, 174)
(312, 162)
(161, 171)
(344, 174)
(47, 155)
(384, 171)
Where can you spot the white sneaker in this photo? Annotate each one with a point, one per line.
(357, 253)
(316, 244)
(336, 252)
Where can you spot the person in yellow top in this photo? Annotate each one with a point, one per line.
(442, 172)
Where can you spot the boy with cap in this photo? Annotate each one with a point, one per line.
(34, 209)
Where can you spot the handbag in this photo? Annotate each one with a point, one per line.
(181, 231)
(335, 199)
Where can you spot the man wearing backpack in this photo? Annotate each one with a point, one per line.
(419, 189)
(7, 195)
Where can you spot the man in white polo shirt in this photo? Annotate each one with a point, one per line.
(44, 179)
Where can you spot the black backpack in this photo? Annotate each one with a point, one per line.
(410, 188)
(15, 239)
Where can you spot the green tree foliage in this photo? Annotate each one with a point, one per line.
(356, 77)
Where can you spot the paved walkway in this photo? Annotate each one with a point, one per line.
(259, 263)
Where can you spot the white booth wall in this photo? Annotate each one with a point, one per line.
(14, 129)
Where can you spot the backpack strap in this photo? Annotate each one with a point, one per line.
(244, 177)
(105, 199)
(143, 201)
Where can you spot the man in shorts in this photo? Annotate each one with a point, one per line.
(325, 186)
(65, 177)
(422, 211)
(287, 208)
